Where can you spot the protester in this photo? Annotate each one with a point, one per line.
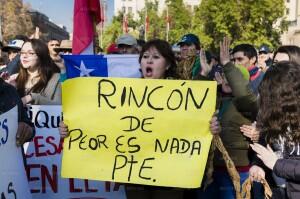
(215, 67)
(246, 55)
(112, 49)
(264, 58)
(283, 53)
(235, 110)
(193, 61)
(52, 44)
(287, 53)
(65, 48)
(9, 98)
(127, 44)
(279, 124)
(13, 50)
(37, 82)
(157, 62)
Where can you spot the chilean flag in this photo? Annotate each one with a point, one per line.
(102, 66)
(87, 13)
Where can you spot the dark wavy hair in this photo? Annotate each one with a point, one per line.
(279, 102)
(165, 49)
(292, 51)
(46, 68)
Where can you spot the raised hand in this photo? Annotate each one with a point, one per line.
(205, 67)
(224, 51)
(219, 78)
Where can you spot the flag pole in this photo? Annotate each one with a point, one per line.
(146, 15)
(168, 25)
(102, 24)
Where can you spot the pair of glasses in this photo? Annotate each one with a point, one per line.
(27, 53)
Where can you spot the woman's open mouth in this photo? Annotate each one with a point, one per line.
(149, 71)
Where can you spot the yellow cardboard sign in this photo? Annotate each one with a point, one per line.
(153, 132)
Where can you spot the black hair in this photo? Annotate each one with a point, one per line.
(22, 37)
(292, 51)
(165, 49)
(248, 50)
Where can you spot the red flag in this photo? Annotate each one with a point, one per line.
(86, 13)
(125, 23)
(147, 25)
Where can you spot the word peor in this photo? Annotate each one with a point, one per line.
(178, 146)
(4, 132)
(10, 192)
(176, 98)
(123, 163)
(84, 143)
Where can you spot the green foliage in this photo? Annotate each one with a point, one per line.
(180, 20)
(115, 29)
(112, 32)
(156, 22)
(245, 21)
(15, 19)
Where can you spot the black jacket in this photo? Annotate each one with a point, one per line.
(290, 170)
(9, 98)
(12, 67)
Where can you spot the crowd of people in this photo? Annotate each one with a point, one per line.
(257, 114)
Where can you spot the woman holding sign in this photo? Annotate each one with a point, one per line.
(157, 61)
(38, 79)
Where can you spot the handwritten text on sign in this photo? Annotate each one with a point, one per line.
(153, 132)
(13, 182)
(44, 162)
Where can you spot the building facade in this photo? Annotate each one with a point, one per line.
(292, 36)
(134, 6)
(48, 28)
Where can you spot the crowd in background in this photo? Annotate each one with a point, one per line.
(257, 114)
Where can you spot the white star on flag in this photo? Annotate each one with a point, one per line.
(84, 72)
